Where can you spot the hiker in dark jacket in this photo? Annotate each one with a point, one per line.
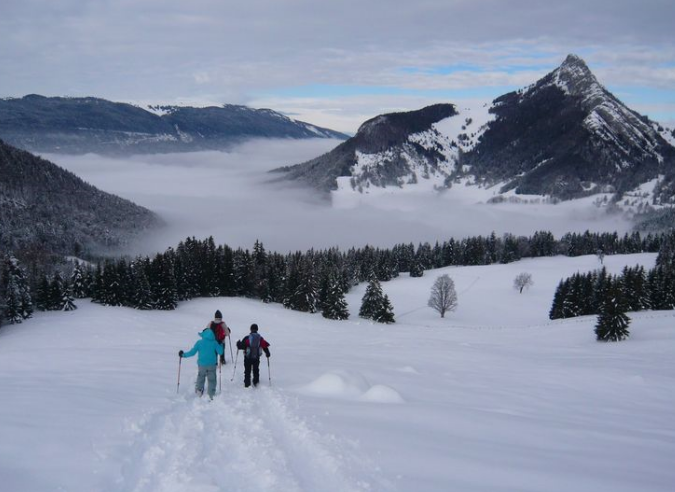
(221, 332)
(208, 350)
(253, 346)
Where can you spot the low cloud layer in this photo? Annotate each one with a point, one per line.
(230, 196)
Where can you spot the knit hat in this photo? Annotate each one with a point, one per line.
(218, 315)
(254, 328)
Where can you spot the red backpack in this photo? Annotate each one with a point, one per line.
(218, 331)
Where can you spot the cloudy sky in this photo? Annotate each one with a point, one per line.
(332, 63)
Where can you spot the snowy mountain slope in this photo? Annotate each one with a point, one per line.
(484, 400)
(83, 125)
(46, 209)
(565, 136)
(388, 150)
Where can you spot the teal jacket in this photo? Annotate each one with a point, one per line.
(208, 349)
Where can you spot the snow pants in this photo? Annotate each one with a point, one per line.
(251, 365)
(209, 373)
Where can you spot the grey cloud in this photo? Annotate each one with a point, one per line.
(232, 51)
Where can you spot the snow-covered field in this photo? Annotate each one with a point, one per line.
(494, 397)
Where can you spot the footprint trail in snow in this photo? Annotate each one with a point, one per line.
(243, 441)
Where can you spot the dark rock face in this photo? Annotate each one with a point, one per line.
(48, 209)
(81, 125)
(564, 133)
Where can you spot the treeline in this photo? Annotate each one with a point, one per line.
(315, 280)
(635, 289)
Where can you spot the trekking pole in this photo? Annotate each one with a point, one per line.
(235, 366)
(269, 374)
(220, 378)
(180, 359)
(231, 354)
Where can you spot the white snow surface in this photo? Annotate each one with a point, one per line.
(494, 397)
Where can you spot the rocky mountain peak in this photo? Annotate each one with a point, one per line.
(576, 79)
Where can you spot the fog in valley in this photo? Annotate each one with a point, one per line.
(232, 197)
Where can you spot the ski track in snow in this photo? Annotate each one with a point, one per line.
(242, 441)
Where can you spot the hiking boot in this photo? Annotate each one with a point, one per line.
(222, 360)
(199, 393)
(211, 397)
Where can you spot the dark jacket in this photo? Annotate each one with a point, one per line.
(244, 344)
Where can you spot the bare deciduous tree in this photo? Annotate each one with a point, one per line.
(522, 281)
(601, 256)
(443, 296)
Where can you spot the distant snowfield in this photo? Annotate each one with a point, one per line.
(495, 397)
(229, 195)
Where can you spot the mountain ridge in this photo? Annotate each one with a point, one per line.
(78, 125)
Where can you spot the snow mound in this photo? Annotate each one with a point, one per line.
(350, 386)
(338, 384)
(382, 394)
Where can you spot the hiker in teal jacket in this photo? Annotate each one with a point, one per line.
(208, 349)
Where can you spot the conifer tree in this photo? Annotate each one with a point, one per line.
(96, 285)
(43, 294)
(13, 310)
(385, 312)
(78, 282)
(291, 285)
(416, 268)
(335, 305)
(242, 271)
(68, 300)
(556, 311)
(165, 293)
(56, 293)
(16, 292)
(372, 303)
(306, 295)
(141, 293)
(612, 324)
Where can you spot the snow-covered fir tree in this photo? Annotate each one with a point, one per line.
(612, 324)
(556, 311)
(68, 300)
(78, 282)
(371, 300)
(42, 295)
(141, 293)
(306, 294)
(57, 292)
(416, 268)
(385, 312)
(375, 304)
(335, 305)
(242, 271)
(165, 293)
(15, 291)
